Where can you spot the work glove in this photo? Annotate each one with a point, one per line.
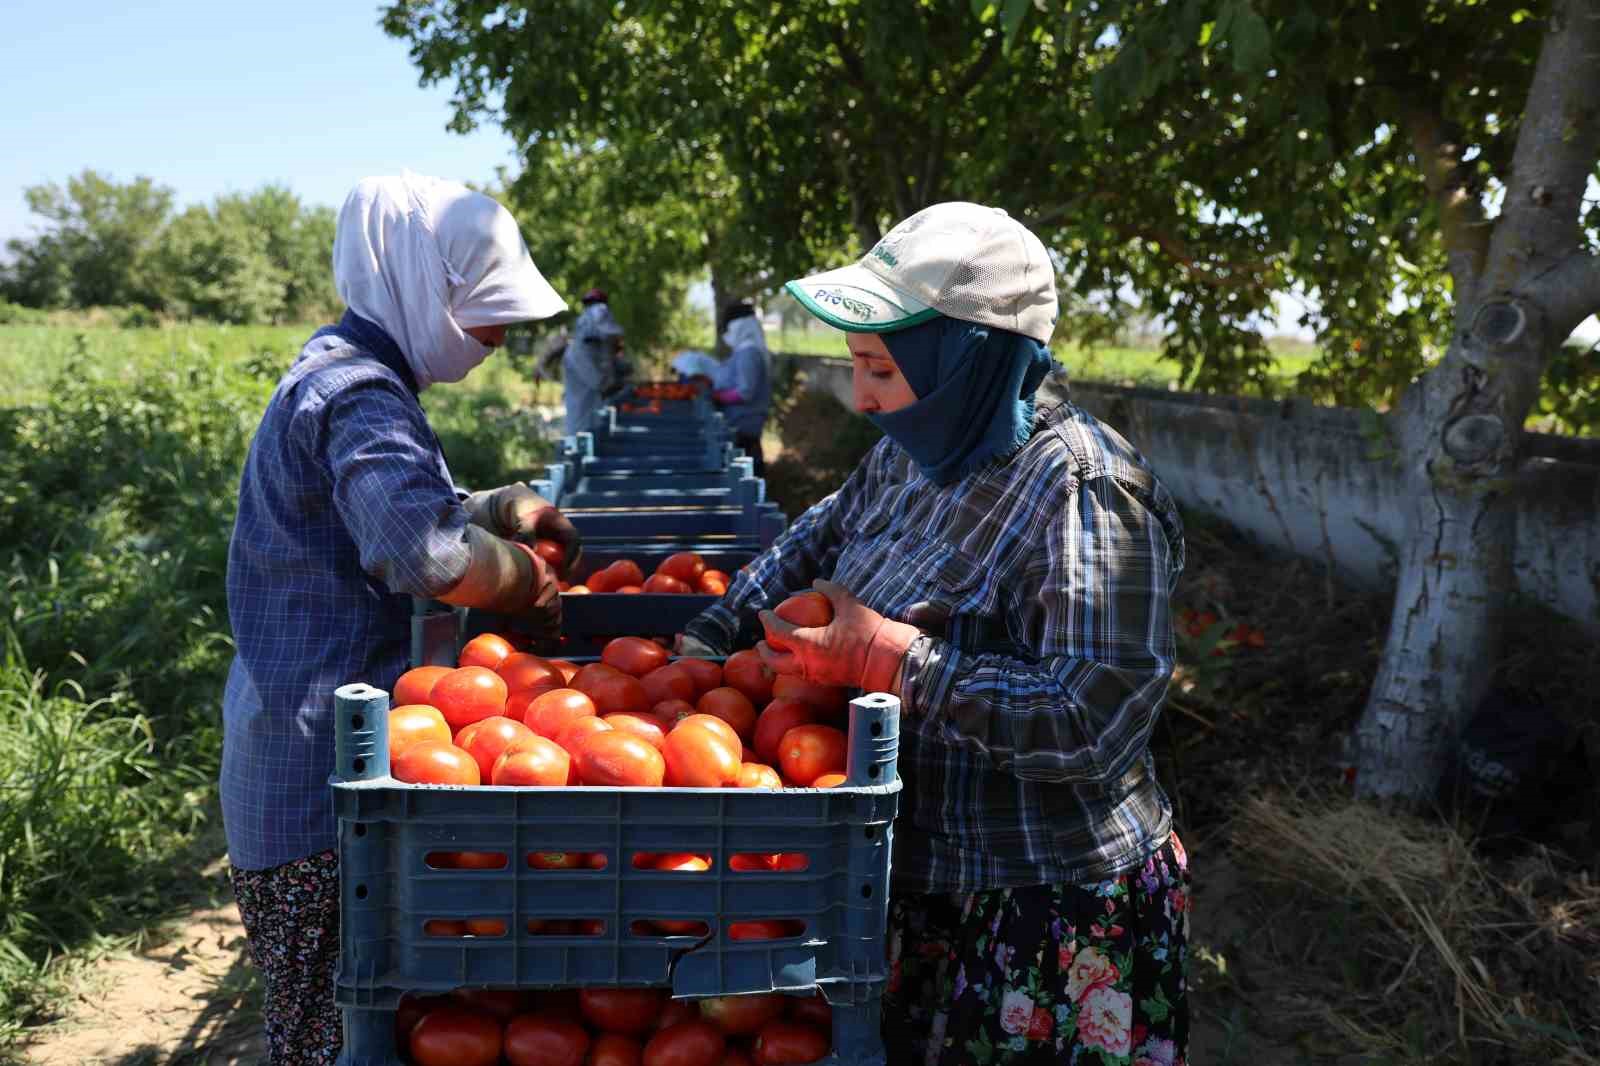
(517, 513)
(506, 577)
(860, 648)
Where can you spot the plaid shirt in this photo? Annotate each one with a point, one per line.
(1043, 582)
(346, 508)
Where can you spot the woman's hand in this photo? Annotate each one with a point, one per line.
(516, 512)
(860, 648)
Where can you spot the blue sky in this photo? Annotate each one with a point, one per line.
(209, 98)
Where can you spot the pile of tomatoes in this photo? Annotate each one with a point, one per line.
(684, 573)
(667, 390)
(635, 718)
(611, 1027)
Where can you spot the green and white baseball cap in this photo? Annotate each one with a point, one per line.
(959, 259)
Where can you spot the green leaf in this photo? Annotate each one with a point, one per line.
(1250, 40)
(1011, 19)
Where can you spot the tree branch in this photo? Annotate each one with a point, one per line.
(1465, 232)
(1574, 292)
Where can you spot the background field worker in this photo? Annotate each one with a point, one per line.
(589, 368)
(1003, 562)
(346, 511)
(742, 385)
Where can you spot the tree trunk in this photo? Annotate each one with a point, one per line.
(720, 298)
(1460, 425)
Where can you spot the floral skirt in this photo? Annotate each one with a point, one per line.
(291, 919)
(1090, 974)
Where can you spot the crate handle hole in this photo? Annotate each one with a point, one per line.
(567, 860)
(866, 891)
(465, 860)
(870, 832)
(358, 721)
(359, 765)
(654, 927)
(768, 862)
(877, 729)
(360, 830)
(361, 892)
(872, 771)
(566, 927)
(767, 929)
(672, 862)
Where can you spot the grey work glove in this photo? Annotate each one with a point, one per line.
(517, 513)
(506, 577)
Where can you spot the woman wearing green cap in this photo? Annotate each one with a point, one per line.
(1003, 562)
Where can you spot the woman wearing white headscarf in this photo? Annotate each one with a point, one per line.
(347, 510)
(590, 367)
(743, 382)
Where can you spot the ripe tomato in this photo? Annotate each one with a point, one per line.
(806, 610)
(630, 590)
(697, 757)
(589, 673)
(712, 586)
(619, 693)
(824, 698)
(518, 702)
(544, 1040)
(622, 1010)
(568, 670)
(685, 566)
(575, 734)
(676, 1012)
(812, 1010)
(670, 682)
(409, 1011)
(765, 929)
(487, 650)
(809, 751)
(666, 583)
(787, 1043)
(791, 861)
(716, 575)
(671, 712)
(625, 572)
(707, 675)
(736, 1056)
(742, 1015)
(618, 758)
(717, 725)
(551, 551)
(732, 706)
(414, 685)
(646, 727)
(490, 739)
(429, 762)
(745, 671)
(614, 1049)
(579, 590)
(523, 671)
(829, 781)
(758, 775)
(469, 694)
(683, 861)
(696, 1043)
(634, 655)
(466, 860)
(486, 926)
(551, 712)
(534, 761)
(448, 927)
(453, 1036)
(414, 722)
(776, 719)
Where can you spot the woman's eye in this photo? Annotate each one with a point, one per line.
(881, 375)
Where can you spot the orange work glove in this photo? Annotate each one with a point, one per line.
(860, 648)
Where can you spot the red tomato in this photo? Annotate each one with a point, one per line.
(630, 590)
(809, 751)
(469, 695)
(414, 685)
(828, 781)
(812, 1010)
(749, 862)
(634, 655)
(717, 725)
(444, 927)
(452, 1036)
(671, 712)
(670, 682)
(429, 762)
(735, 1056)
(788, 1043)
(676, 1012)
(534, 761)
(568, 670)
(712, 586)
(742, 1015)
(822, 697)
(622, 1010)
(551, 712)
(517, 703)
(414, 722)
(778, 718)
(644, 726)
(683, 861)
(577, 733)
(732, 706)
(618, 758)
(697, 757)
(466, 860)
(685, 566)
(589, 673)
(707, 675)
(758, 775)
(486, 926)
(579, 590)
(409, 1012)
(625, 572)
(805, 609)
(620, 694)
(765, 929)
(486, 649)
(544, 1040)
(600, 581)
(745, 671)
(551, 551)
(557, 860)
(665, 583)
(523, 671)
(491, 738)
(791, 861)
(697, 1043)
(614, 1049)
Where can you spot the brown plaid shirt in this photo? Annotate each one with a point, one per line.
(1043, 584)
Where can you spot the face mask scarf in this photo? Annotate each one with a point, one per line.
(975, 387)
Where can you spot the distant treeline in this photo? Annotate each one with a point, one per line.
(251, 257)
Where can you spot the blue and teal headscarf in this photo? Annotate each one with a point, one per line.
(974, 387)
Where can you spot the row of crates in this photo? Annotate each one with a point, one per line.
(630, 500)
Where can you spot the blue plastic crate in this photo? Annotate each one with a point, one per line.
(389, 889)
(762, 521)
(587, 623)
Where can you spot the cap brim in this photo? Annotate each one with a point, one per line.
(856, 300)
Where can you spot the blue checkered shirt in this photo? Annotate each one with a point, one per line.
(346, 509)
(1042, 583)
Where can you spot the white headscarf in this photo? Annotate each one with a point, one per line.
(743, 331)
(690, 362)
(424, 258)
